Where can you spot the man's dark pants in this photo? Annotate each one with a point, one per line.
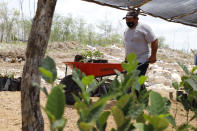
(142, 68)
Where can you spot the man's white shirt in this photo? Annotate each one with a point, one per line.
(136, 40)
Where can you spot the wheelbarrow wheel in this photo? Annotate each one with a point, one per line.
(71, 88)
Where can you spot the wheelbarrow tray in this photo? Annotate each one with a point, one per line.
(96, 69)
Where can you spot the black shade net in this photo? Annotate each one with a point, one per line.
(180, 11)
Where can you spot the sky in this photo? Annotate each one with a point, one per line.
(176, 35)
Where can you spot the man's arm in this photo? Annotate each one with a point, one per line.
(154, 47)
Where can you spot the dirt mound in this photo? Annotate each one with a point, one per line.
(64, 45)
(16, 55)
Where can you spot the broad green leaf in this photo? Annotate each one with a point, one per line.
(119, 74)
(49, 64)
(82, 109)
(114, 88)
(95, 85)
(194, 69)
(140, 126)
(136, 110)
(192, 83)
(157, 104)
(131, 57)
(56, 101)
(184, 127)
(129, 67)
(46, 75)
(175, 85)
(118, 116)
(132, 63)
(87, 80)
(144, 97)
(126, 126)
(86, 126)
(171, 120)
(97, 108)
(50, 115)
(142, 79)
(159, 123)
(123, 101)
(184, 68)
(113, 129)
(101, 122)
(128, 80)
(143, 127)
(59, 124)
(92, 87)
(192, 96)
(95, 112)
(136, 85)
(76, 78)
(167, 103)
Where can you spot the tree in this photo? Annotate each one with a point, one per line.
(81, 30)
(37, 43)
(162, 44)
(69, 28)
(106, 29)
(3, 20)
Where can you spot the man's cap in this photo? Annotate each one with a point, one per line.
(132, 13)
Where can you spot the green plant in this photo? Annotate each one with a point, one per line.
(92, 55)
(56, 99)
(130, 112)
(128, 106)
(8, 74)
(188, 95)
(89, 112)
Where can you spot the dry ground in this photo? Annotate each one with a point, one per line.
(10, 112)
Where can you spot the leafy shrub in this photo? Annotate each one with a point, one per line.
(56, 99)
(187, 94)
(92, 54)
(130, 111)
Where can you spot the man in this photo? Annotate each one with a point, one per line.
(136, 39)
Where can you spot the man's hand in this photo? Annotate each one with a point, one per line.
(152, 59)
(154, 47)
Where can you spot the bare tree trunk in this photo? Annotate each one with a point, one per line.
(32, 119)
(1, 39)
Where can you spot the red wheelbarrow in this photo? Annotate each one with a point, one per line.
(96, 69)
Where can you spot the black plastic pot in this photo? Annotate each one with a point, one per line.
(98, 61)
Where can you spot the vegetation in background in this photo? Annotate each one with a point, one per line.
(161, 43)
(76, 29)
(65, 28)
(12, 26)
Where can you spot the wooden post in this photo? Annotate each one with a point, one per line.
(32, 119)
